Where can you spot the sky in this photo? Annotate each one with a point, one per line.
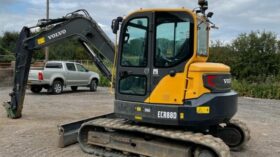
(233, 17)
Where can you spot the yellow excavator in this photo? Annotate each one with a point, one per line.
(169, 101)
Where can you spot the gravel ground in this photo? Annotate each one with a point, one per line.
(35, 134)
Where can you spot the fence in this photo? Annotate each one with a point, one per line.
(6, 58)
(6, 70)
(6, 77)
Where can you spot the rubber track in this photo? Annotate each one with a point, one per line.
(208, 141)
(245, 130)
(98, 151)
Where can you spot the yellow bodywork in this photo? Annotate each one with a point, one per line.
(173, 90)
(196, 71)
(170, 90)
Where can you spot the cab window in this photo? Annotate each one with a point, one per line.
(81, 68)
(173, 38)
(133, 85)
(54, 65)
(70, 67)
(134, 50)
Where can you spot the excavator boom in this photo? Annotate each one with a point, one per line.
(77, 25)
(23, 60)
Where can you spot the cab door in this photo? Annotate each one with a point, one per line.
(72, 76)
(133, 79)
(173, 47)
(84, 75)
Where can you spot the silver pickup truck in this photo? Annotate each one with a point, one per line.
(59, 74)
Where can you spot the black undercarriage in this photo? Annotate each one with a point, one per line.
(216, 108)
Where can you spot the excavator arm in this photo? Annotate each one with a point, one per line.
(75, 24)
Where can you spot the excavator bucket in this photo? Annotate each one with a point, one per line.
(23, 60)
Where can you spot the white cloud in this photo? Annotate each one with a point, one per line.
(63, 5)
(233, 17)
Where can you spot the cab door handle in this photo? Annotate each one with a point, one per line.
(172, 73)
(125, 73)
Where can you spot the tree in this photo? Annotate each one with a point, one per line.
(8, 41)
(7, 44)
(278, 47)
(256, 55)
(68, 50)
(221, 53)
(253, 57)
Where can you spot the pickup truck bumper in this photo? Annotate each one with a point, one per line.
(37, 82)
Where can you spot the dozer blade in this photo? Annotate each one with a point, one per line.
(68, 133)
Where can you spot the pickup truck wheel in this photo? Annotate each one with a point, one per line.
(74, 88)
(57, 87)
(36, 89)
(93, 85)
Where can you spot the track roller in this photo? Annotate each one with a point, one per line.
(235, 134)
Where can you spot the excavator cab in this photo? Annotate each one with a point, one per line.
(162, 73)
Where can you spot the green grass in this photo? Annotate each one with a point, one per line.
(266, 89)
(104, 82)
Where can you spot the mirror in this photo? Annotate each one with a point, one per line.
(210, 14)
(115, 24)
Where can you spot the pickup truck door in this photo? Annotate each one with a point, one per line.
(72, 76)
(84, 74)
